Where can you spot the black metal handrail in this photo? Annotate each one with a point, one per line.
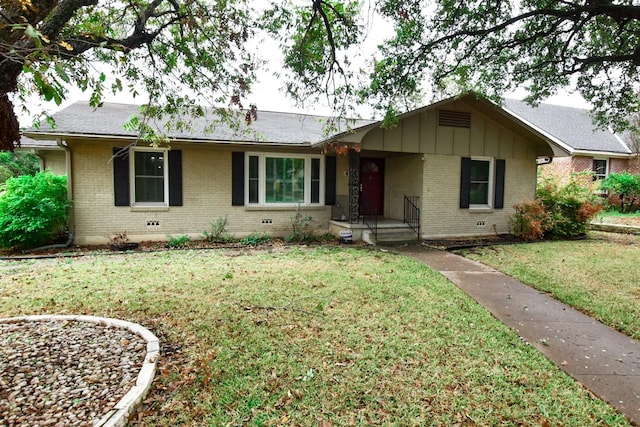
(412, 213)
(371, 221)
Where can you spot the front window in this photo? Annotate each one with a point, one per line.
(149, 177)
(480, 184)
(600, 169)
(283, 180)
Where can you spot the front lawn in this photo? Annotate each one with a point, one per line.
(599, 276)
(615, 217)
(307, 337)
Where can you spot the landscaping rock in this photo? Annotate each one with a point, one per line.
(63, 372)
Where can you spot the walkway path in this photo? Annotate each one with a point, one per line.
(602, 359)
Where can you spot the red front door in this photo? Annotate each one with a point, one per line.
(371, 186)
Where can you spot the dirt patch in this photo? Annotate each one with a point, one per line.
(472, 242)
(150, 246)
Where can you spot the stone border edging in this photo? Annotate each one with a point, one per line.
(119, 415)
(614, 228)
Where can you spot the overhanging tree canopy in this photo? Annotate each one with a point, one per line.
(542, 45)
(493, 47)
(164, 46)
(161, 47)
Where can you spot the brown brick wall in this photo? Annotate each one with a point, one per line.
(561, 168)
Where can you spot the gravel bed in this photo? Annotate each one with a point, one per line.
(64, 373)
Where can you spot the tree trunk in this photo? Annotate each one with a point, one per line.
(9, 126)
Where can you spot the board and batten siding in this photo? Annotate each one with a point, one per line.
(420, 133)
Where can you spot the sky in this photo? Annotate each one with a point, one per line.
(268, 96)
(267, 93)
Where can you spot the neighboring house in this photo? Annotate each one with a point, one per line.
(52, 157)
(594, 150)
(453, 168)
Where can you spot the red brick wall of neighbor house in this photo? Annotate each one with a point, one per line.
(559, 170)
(581, 164)
(633, 165)
(619, 165)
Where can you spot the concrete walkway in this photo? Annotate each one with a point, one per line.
(602, 359)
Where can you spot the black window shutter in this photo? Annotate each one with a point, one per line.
(498, 199)
(465, 181)
(121, 176)
(175, 178)
(330, 181)
(237, 178)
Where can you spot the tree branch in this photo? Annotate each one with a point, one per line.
(61, 15)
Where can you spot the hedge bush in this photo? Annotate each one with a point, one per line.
(558, 211)
(625, 186)
(33, 210)
(17, 163)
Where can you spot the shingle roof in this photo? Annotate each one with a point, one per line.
(270, 127)
(571, 126)
(28, 143)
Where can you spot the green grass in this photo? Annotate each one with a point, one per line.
(293, 336)
(598, 276)
(616, 216)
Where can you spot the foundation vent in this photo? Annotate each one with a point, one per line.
(153, 223)
(456, 119)
(267, 221)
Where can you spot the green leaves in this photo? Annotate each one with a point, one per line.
(318, 42)
(624, 185)
(31, 32)
(187, 53)
(33, 210)
(496, 47)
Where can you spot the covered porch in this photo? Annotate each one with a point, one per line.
(384, 230)
(378, 196)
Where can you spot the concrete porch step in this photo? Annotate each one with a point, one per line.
(390, 236)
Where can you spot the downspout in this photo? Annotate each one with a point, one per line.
(70, 222)
(67, 155)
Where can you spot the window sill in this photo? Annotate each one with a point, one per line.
(481, 209)
(149, 208)
(292, 208)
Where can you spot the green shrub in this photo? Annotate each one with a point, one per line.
(256, 239)
(218, 233)
(17, 163)
(178, 242)
(626, 186)
(33, 210)
(557, 212)
(302, 228)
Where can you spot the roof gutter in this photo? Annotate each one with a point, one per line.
(602, 154)
(128, 138)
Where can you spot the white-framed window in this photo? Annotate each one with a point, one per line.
(600, 169)
(149, 177)
(481, 183)
(284, 179)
